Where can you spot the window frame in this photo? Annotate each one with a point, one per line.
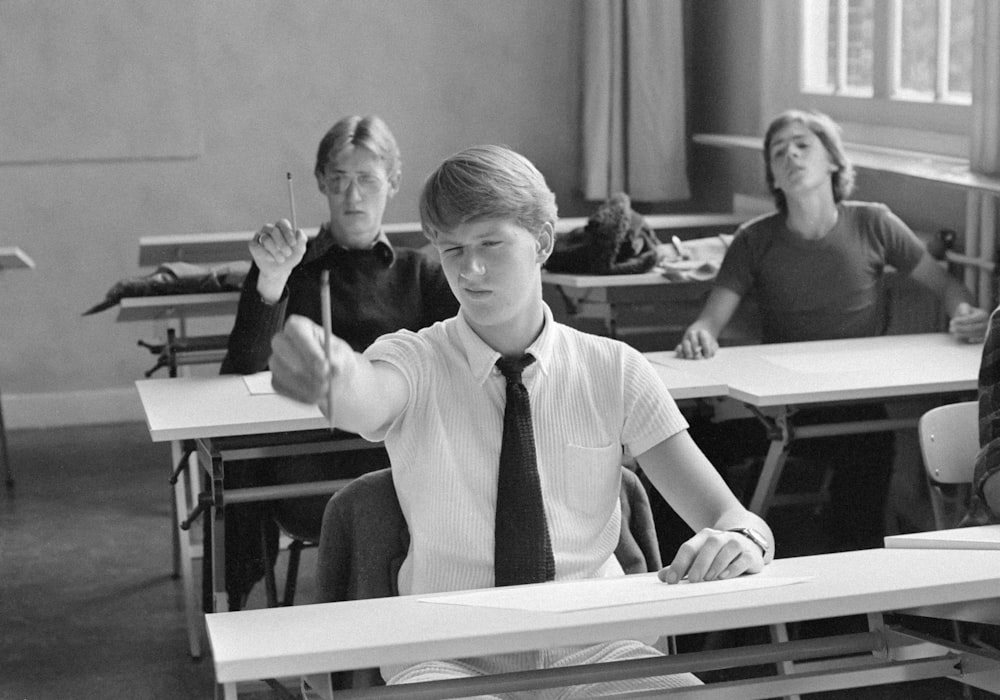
(938, 128)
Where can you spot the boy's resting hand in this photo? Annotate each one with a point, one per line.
(969, 323)
(696, 344)
(713, 555)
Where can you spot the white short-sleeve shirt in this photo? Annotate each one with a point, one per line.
(590, 397)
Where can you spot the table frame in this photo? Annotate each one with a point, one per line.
(314, 640)
(748, 372)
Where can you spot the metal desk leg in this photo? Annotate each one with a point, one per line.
(214, 548)
(774, 463)
(184, 551)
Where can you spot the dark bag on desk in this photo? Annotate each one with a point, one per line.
(615, 241)
(176, 278)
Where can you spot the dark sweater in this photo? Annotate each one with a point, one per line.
(373, 291)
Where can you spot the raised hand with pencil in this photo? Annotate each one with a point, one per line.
(277, 248)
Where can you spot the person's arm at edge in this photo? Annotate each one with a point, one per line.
(701, 338)
(367, 396)
(692, 486)
(967, 321)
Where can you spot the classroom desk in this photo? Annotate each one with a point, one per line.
(222, 247)
(208, 248)
(222, 421)
(217, 419)
(774, 380)
(980, 537)
(11, 258)
(315, 639)
(627, 305)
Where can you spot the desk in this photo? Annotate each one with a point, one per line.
(982, 537)
(214, 248)
(11, 258)
(223, 421)
(314, 639)
(772, 380)
(626, 305)
(217, 420)
(208, 248)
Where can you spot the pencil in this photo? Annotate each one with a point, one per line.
(291, 200)
(324, 291)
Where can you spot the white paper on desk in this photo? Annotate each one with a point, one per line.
(604, 593)
(259, 383)
(822, 362)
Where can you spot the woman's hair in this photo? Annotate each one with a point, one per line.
(368, 132)
(828, 132)
(485, 182)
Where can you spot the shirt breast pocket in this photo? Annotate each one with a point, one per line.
(591, 474)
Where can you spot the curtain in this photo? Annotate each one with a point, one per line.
(634, 132)
(982, 214)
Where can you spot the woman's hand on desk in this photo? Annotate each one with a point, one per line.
(969, 323)
(276, 249)
(713, 555)
(697, 343)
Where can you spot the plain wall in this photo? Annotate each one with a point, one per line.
(268, 79)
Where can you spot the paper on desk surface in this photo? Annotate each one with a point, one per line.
(567, 596)
(259, 383)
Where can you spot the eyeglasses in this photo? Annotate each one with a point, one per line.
(366, 183)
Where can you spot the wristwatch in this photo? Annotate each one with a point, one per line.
(754, 536)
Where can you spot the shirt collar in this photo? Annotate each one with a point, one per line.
(324, 243)
(482, 358)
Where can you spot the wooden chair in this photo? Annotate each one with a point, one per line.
(949, 441)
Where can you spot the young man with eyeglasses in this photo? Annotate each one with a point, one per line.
(374, 289)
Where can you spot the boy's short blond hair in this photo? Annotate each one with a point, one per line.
(485, 182)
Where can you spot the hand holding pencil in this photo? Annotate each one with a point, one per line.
(276, 249)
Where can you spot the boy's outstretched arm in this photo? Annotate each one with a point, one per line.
(366, 396)
(692, 486)
(701, 339)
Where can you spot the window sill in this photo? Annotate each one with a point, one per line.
(945, 170)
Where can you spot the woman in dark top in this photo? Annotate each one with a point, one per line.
(374, 289)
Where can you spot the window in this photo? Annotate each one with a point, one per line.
(892, 72)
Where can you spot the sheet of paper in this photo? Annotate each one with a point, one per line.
(821, 362)
(568, 596)
(259, 383)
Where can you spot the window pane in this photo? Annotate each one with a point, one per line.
(960, 52)
(918, 48)
(860, 29)
(818, 40)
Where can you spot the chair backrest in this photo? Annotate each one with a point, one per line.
(949, 441)
(364, 539)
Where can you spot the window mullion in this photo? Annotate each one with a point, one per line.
(943, 38)
(842, 17)
(885, 49)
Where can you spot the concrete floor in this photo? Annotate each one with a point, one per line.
(88, 604)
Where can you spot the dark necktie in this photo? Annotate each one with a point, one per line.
(522, 549)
